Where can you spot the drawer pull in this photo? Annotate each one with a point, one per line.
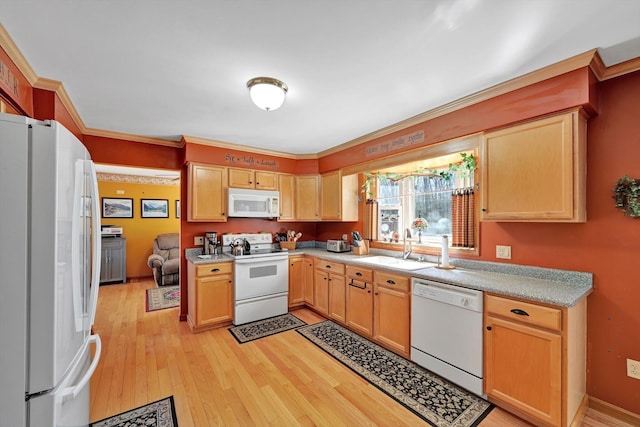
(358, 273)
(519, 312)
(215, 270)
(327, 266)
(391, 282)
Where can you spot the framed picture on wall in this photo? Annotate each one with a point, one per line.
(154, 208)
(113, 207)
(177, 208)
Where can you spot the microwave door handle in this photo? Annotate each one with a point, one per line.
(269, 205)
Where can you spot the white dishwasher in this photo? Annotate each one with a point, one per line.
(446, 332)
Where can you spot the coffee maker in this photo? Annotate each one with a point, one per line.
(210, 243)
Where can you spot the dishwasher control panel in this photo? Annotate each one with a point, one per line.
(469, 299)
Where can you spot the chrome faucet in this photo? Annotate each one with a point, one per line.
(405, 252)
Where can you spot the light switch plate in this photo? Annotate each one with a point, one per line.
(503, 252)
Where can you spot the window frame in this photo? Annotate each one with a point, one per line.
(469, 143)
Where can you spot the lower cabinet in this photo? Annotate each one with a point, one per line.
(210, 290)
(360, 300)
(113, 260)
(307, 272)
(535, 359)
(378, 307)
(296, 281)
(392, 312)
(330, 289)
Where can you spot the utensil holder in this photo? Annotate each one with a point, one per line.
(288, 245)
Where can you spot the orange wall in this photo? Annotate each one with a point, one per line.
(139, 231)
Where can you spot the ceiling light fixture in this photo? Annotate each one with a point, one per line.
(267, 93)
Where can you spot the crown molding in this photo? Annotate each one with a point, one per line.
(60, 91)
(9, 46)
(255, 150)
(131, 137)
(621, 69)
(570, 64)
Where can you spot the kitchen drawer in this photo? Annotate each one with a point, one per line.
(531, 314)
(333, 267)
(390, 280)
(360, 273)
(214, 269)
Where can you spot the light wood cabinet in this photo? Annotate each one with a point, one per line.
(392, 311)
(296, 281)
(535, 171)
(308, 281)
(360, 300)
(307, 199)
(206, 189)
(287, 188)
(255, 179)
(330, 289)
(338, 197)
(535, 359)
(210, 300)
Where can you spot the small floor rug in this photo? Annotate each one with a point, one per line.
(164, 297)
(264, 328)
(157, 414)
(429, 396)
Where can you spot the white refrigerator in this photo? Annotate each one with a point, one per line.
(50, 271)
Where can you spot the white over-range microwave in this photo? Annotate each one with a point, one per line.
(253, 203)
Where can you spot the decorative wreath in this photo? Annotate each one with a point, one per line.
(627, 196)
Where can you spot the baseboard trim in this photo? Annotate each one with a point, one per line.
(614, 411)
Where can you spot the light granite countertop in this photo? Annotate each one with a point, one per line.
(558, 287)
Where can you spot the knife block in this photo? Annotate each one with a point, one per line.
(363, 249)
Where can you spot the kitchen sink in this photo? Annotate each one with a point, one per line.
(399, 263)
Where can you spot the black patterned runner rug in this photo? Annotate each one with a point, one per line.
(263, 328)
(429, 396)
(161, 413)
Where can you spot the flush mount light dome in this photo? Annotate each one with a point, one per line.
(267, 93)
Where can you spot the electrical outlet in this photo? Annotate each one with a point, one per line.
(503, 252)
(633, 369)
(198, 241)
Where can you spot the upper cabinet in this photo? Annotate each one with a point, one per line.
(248, 178)
(339, 197)
(307, 201)
(287, 186)
(536, 171)
(206, 188)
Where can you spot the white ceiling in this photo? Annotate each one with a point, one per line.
(165, 68)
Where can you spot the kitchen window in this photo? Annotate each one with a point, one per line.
(434, 190)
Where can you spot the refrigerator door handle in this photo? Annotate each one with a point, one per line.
(96, 239)
(76, 264)
(72, 392)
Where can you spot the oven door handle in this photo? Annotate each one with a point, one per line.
(269, 260)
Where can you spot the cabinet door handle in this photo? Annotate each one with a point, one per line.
(489, 328)
(215, 270)
(391, 282)
(369, 291)
(484, 209)
(376, 293)
(519, 312)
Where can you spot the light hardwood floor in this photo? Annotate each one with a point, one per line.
(279, 380)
